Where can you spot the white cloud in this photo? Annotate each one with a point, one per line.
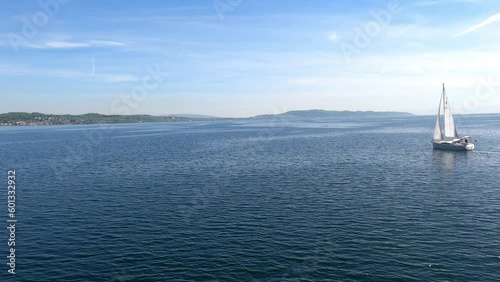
(486, 22)
(65, 44)
(75, 44)
(106, 43)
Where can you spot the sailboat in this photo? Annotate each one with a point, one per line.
(448, 139)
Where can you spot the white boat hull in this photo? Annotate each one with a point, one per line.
(452, 146)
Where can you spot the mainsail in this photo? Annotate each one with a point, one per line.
(450, 131)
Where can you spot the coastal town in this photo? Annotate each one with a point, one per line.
(35, 121)
(38, 119)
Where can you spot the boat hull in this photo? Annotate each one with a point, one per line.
(452, 147)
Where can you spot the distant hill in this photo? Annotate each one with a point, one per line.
(329, 114)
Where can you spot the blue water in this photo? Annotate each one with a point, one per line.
(312, 200)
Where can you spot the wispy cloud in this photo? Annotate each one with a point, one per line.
(10, 69)
(75, 44)
(486, 22)
(445, 2)
(105, 43)
(118, 77)
(63, 44)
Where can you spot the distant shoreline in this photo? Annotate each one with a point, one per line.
(38, 119)
(35, 119)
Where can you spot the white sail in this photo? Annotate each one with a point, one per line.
(438, 134)
(447, 138)
(450, 130)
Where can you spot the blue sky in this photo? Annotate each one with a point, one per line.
(240, 58)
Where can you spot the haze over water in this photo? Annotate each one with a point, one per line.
(304, 200)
